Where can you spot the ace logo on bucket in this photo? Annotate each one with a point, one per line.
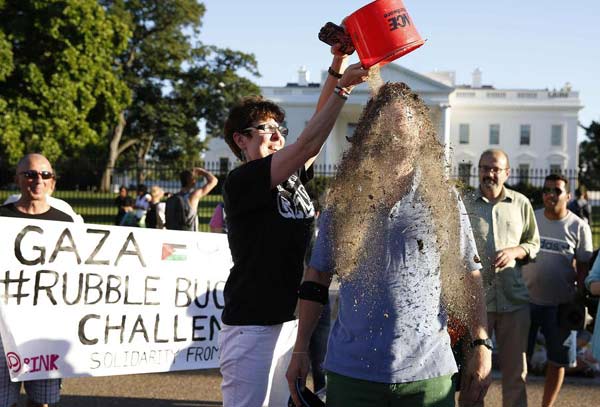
(44, 363)
(381, 32)
(399, 21)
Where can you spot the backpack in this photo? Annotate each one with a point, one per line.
(179, 214)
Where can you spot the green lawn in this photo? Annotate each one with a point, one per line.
(596, 227)
(99, 207)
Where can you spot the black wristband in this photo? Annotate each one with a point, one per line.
(334, 73)
(311, 291)
(487, 342)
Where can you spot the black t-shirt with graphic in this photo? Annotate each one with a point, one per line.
(268, 231)
(10, 210)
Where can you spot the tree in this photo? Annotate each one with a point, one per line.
(175, 81)
(59, 89)
(589, 157)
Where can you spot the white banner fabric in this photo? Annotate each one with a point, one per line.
(94, 300)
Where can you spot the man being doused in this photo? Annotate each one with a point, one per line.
(396, 233)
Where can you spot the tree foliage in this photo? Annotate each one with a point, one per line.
(175, 81)
(60, 91)
(589, 157)
(103, 82)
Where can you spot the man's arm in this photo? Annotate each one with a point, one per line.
(529, 244)
(309, 313)
(477, 378)
(211, 182)
(583, 255)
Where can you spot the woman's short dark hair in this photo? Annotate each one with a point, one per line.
(249, 110)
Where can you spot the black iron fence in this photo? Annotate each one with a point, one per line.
(99, 207)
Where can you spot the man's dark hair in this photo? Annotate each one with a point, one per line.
(142, 188)
(249, 110)
(185, 177)
(557, 177)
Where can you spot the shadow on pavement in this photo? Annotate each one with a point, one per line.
(94, 401)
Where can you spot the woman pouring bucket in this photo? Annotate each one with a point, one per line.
(381, 32)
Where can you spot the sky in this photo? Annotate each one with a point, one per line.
(524, 44)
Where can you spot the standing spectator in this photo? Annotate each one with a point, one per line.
(155, 217)
(35, 179)
(181, 210)
(218, 221)
(269, 215)
(580, 206)
(141, 204)
(505, 230)
(552, 281)
(59, 204)
(125, 204)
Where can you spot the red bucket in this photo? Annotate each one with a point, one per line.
(381, 32)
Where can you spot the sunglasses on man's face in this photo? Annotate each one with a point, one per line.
(33, 174)
(555, 191)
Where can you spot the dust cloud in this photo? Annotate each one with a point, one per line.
(395, 139)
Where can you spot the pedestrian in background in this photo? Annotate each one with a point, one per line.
(553, 283)
(218, 220)
(181, 211)
(124, 203)
(580, 206)
(155, 217)
(506, 233)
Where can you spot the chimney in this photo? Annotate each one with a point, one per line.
(476, 82)
(303, 76)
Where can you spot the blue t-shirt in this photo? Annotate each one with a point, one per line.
(391, 327)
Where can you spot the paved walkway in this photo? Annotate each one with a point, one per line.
(201, 389)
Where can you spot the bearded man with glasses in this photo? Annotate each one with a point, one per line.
(35, 178)
(507, 237)
(553, 282)
(269, 219)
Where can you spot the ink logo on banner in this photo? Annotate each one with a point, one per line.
(174, 252)
(13, 361)
(37, 363)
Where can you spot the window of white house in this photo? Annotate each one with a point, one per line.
(464, 173)
(463, 133)
(525, 138)
(555, 169)
(494, 134)
(557, 135)
(523, 174)
(223, 165)
(350, 129)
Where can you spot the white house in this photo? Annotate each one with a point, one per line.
(537, 128)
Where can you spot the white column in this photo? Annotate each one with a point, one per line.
(444, 130)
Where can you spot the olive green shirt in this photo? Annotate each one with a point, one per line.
(510, 222)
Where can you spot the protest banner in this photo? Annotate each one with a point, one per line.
(95, 300)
